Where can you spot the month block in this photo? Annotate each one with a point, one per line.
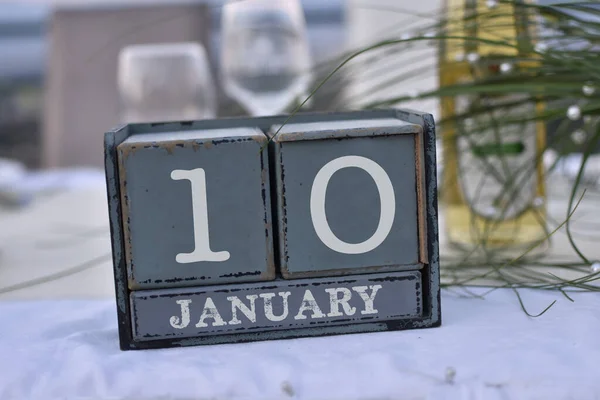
(349, 197)
(210, 312)
(196, 208)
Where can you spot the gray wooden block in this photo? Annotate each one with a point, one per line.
(196, 209)
(349, 197)
(209, 312)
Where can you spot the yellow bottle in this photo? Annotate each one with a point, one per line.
(492, 191)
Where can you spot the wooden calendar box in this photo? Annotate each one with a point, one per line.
(234, 230)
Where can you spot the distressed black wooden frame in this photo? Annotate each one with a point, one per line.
(430, 273)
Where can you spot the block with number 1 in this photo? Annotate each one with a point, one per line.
(199, 210)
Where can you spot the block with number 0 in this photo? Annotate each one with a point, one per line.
(347, 195)
(196, 208)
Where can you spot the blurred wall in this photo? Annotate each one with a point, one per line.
(82, 100)
(22, 58)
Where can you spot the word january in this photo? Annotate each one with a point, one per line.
(338, 306)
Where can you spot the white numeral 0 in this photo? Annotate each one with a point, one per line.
(317, 204)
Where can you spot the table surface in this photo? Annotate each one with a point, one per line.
(58, 333)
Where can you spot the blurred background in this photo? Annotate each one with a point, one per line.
(59, 63)
(60, 57)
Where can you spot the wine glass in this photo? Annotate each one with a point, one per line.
(165, 82)
(265, 60)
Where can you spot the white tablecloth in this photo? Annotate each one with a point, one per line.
(69, 350)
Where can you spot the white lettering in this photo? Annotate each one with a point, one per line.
(210, 311)
(335, 302)
(267, 297)
(339, 301)
(202, 251)
(362, 292)
(180, 323)
(386, 196)
(249, 312)
(309, 304)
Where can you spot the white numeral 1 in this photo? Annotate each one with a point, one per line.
(317, 204)
(202, 251)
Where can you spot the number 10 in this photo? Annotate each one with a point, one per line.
(202, 251)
